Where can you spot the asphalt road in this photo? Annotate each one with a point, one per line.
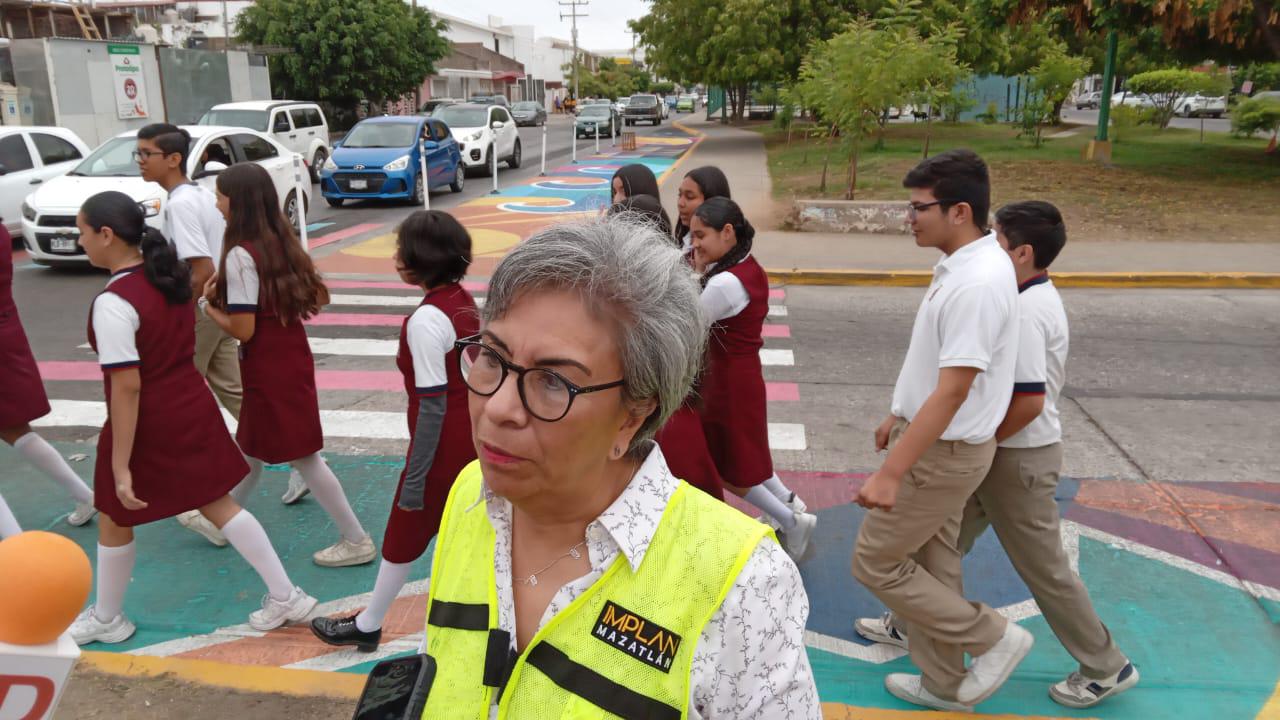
(1090, 117)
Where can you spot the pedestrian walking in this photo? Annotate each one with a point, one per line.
(265, 287)
(734, 303)
(22, 400)
(698, 185)
(433, 252)
(950, 396)
(164, 448)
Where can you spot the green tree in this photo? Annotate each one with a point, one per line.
(1165, 87)
(346, 51)
(1264, 76)
(1257, 115)
(1052, 79)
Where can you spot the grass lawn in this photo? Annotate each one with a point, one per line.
(1161, 185)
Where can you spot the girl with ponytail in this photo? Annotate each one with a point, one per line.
(735, 302)
(266, 285)
(164, 451)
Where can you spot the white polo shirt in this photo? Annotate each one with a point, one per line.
(193, 224)
(968, 318)
(1042, 359)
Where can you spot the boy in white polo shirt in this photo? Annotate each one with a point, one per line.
(1018, 495)
(950, 397)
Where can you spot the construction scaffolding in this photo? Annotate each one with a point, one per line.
(24, 19)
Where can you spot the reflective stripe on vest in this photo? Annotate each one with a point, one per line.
(625, 646)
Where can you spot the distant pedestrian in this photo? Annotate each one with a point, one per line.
(22, 400)
(433, 252)
(950, 397)
(164, 448)
(698, 185)
(265, 287)
(559, 106)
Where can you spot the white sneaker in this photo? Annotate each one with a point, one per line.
(297, 489)
(88, 628)
(796, 504)
(880, 630)
(345, 553)
(910, 689)
(275, 613)
(990, 670)
(199, 524)
(796, 540)
(1078, 691)
(83, 513)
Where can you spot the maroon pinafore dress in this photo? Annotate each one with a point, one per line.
(734, 417)
(280, 413)
(183, 457)
(408, 533)
(22, 397)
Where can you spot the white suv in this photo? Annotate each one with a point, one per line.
(482, 130)
(299, 126)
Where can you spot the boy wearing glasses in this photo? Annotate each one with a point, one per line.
(951, 394)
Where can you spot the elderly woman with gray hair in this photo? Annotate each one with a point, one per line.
(574, 576)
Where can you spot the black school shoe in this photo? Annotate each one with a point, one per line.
(343, 631)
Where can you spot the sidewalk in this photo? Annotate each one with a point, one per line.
(848, 258)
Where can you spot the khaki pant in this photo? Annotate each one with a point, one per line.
(218, 360)
(908, 557)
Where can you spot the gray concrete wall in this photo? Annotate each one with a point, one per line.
(849, 216)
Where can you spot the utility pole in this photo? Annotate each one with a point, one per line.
(573, 6)
(417, 89)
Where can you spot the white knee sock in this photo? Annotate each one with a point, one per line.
(391, 577)
(780, 491)
(115, 568)
(772, 506)
(8, 523)
(328, 491)
(242, 492)
(44, 456)
(246, 535)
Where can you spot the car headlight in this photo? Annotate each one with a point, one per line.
(152, 206)
(399, 163)
(28, 212)
(475, 136)
(329, 164)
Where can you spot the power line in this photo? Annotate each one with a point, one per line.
(573, 14)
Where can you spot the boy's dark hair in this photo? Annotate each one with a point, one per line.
(434, 246)
(1035, 223)
(170, 139)
(955, 176)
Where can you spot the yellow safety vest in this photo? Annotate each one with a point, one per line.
(624, 648)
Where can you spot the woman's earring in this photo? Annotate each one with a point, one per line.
(617, 452)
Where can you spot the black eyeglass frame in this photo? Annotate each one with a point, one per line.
(509, 367)
(914, 210)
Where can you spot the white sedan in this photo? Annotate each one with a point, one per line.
(49, 214)
(29, 157)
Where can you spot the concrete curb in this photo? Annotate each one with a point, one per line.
(921, 278)
(256, 679)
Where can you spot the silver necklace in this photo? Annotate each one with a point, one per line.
(532, 580)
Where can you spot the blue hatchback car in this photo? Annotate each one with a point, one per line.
(381, 158)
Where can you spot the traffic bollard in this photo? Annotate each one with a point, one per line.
(574, 130)
(493, 168)
(301, 202)
(597, 134)
(426, 185)
(544, 149)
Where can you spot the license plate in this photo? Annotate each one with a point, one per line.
(62, 244)
(359, 184)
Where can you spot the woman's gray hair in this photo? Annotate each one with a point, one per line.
(627, 271)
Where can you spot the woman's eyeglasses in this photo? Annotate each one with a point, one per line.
(546, 394)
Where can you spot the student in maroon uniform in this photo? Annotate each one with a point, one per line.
(698, 185)
(634, 179)
(433, 252)
(22, 400)
(735, 302)
(164, 448)
(265, 287)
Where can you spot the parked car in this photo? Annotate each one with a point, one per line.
(529, 113)
(1125, 97)
(430, 106)
(490, 100)
(643, 108)
(382, 158)
(595, 120)
(687, 103)
(666, 104)
(481, 131)
(620, 105)
(1197, 105)
(893, 113)
(29, 157)
(1089, 100)
(299, 126)
(49, 214)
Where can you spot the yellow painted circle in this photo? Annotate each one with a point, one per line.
(491, 242)
(382, 246)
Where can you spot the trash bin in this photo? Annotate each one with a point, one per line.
(628, 141)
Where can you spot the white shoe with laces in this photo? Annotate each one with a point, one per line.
(880, 630)
(297, 489)
(83, 513)
(1078, 691)
(199, 524)
(909, 688)
(345, 553)
(275, 613)
(991, 669)
(88, 628)
(796, 504)
(796, 540)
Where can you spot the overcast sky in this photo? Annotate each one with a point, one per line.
(604, 28)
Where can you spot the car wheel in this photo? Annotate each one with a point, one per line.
(459, 177)
(291, 210)
(316, 163)
(335, 202)
(514, 161)
(418, 189)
